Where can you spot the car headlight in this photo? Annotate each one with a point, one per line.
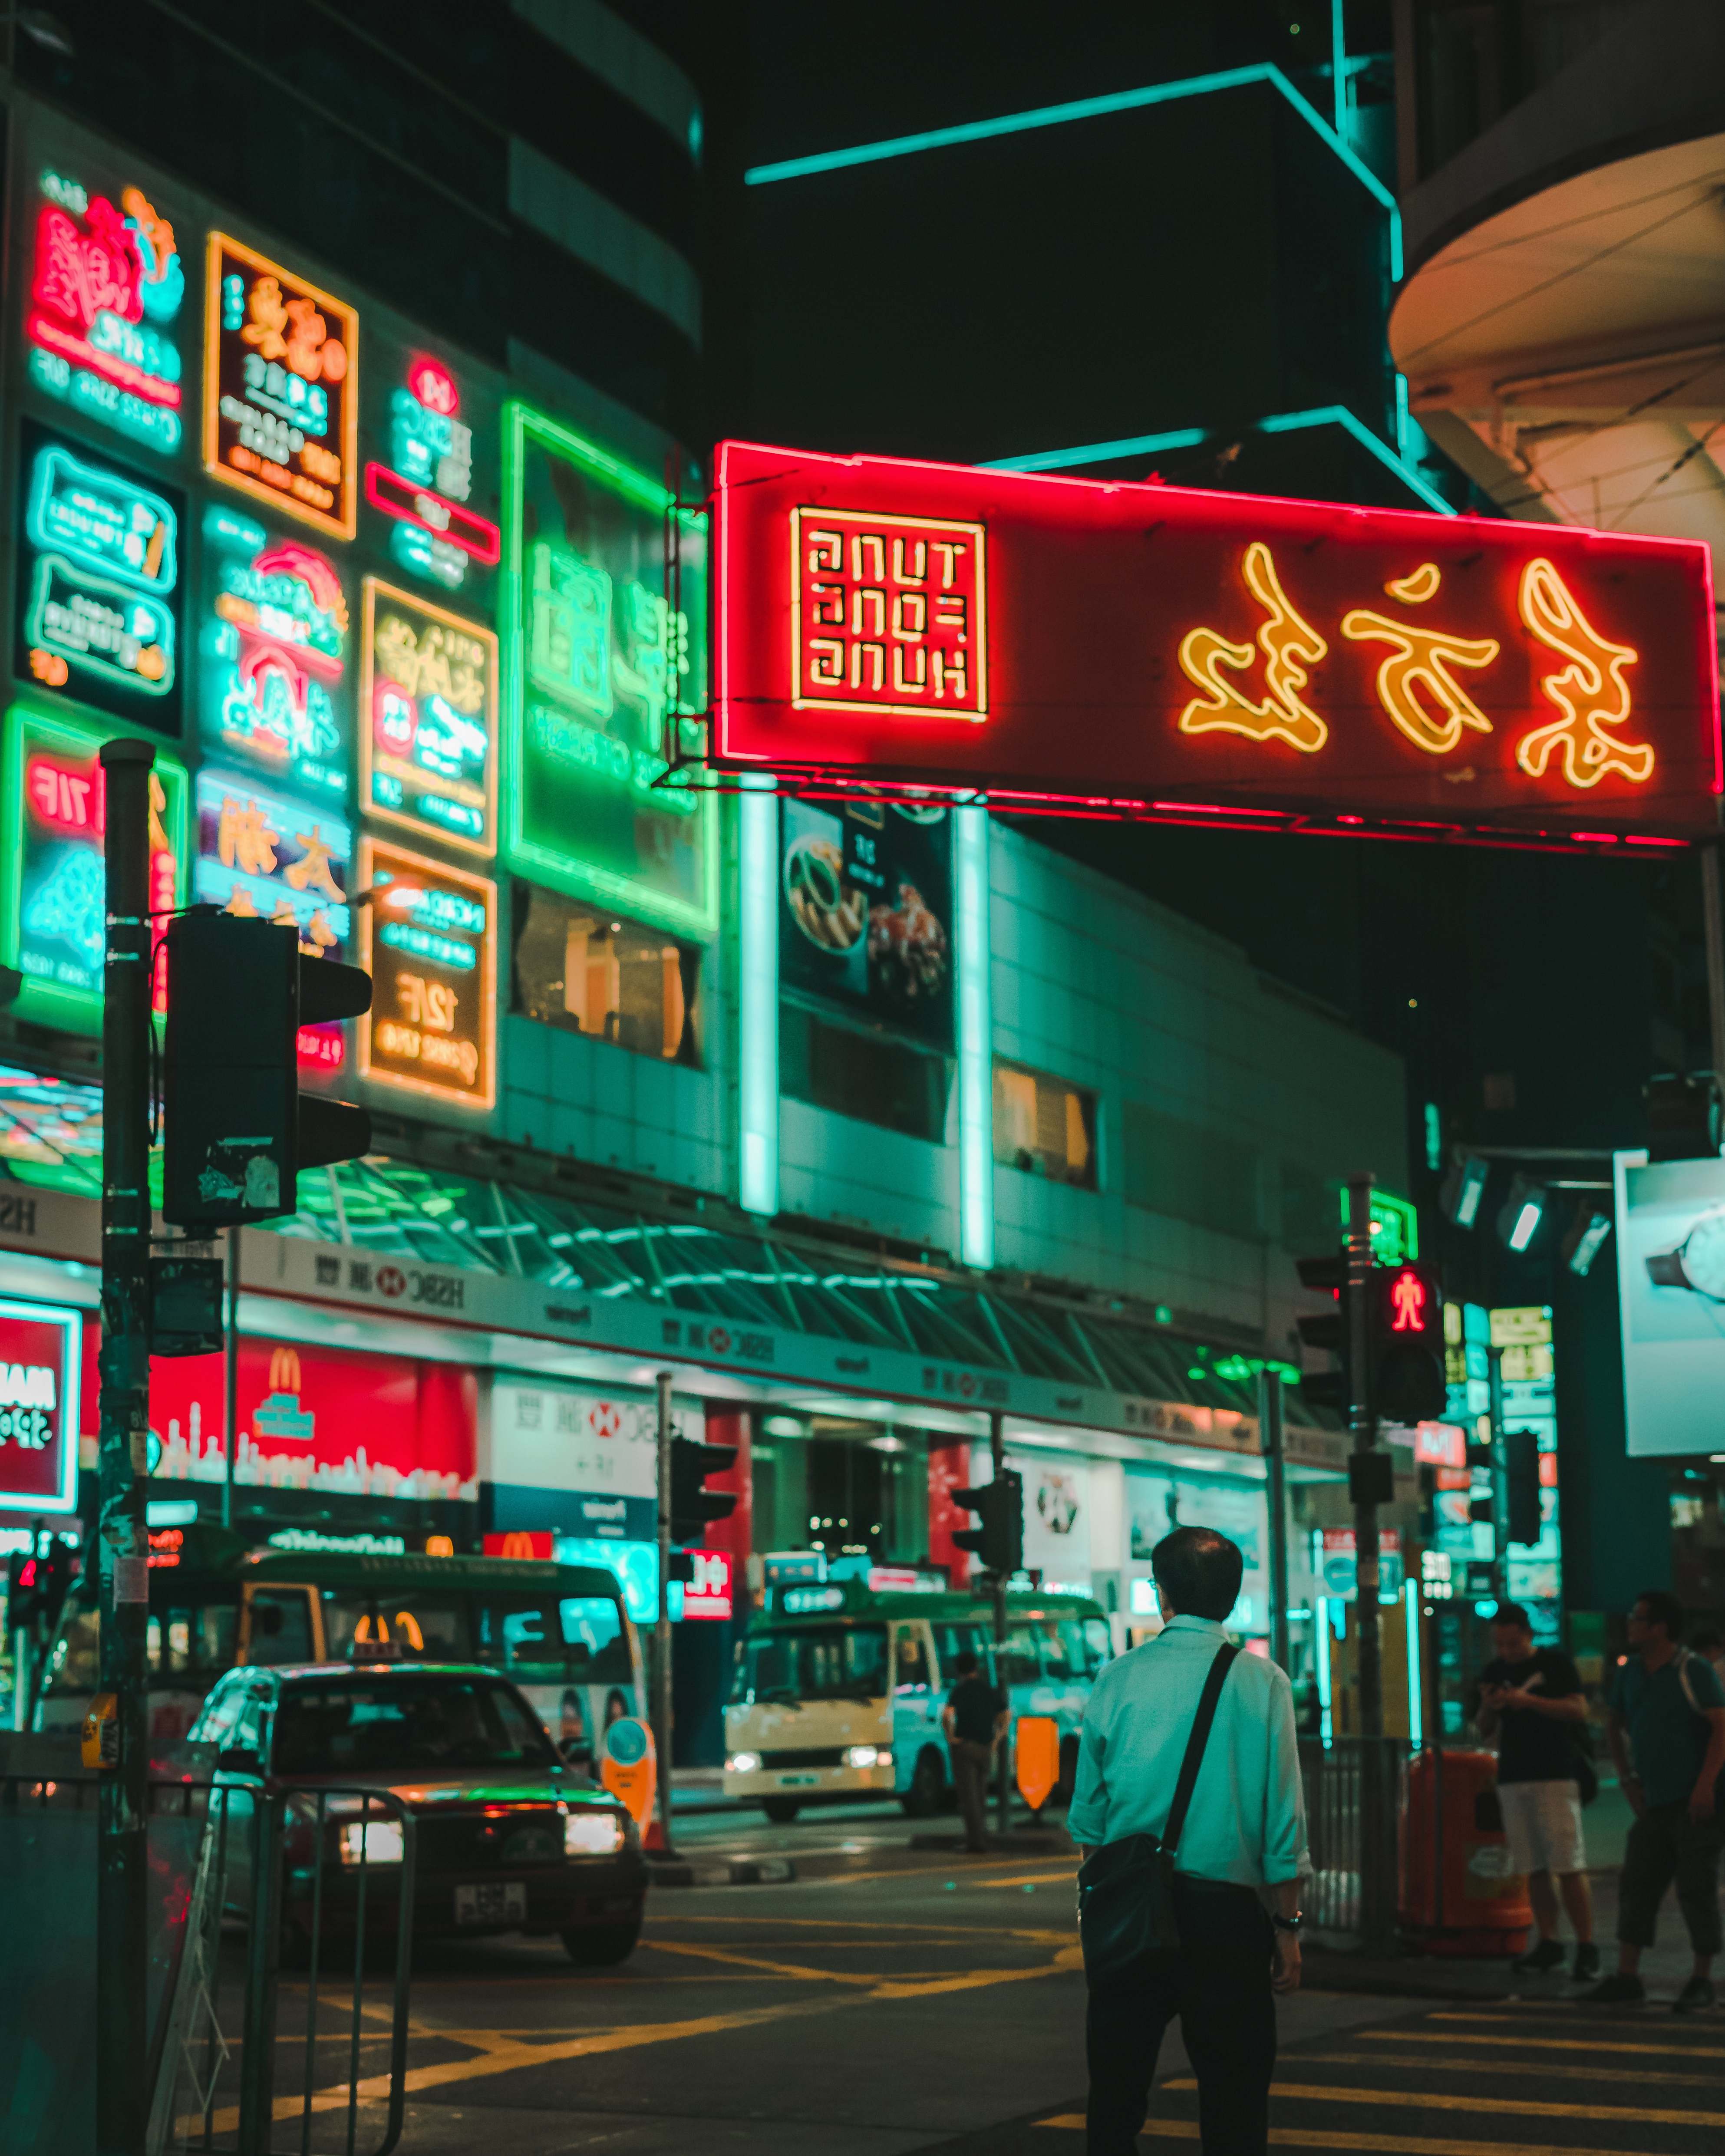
(867, 1755)
(742, 1763)
(592, 1834)
(374, 1841)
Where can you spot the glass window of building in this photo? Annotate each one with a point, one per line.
(865, 1074)
(588, 971)
(1044, 1126)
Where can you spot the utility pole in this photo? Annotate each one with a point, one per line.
(122, 2099)
(1002, 1798)
(662, 1628)
(231, 1377)
(1370, 1484)
(1270, 1436)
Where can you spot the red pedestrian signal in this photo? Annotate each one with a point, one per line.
(1408, 1379)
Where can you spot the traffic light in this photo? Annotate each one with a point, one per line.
(1328, 1329)
(24, 1582)
(238, 1129)
(1407, 1327)
(997, 1537)
(693, 1505)
(1521, 1476)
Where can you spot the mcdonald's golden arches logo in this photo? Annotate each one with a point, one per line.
(284, 1370)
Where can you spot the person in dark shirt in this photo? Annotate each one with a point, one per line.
(1532, 1702)
(974, 1718)
(1666, 1726)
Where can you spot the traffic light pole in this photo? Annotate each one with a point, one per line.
(1276, 1495)
(997, 1453)
(662, 1628)
(122, 2098)
(1377, 1826)
(1500, 1479)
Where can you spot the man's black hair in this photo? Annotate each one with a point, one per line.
(965, 1664)
(1200, 1570)
(1512, 1612)
(1663, 1609)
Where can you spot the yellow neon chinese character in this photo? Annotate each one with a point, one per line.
(1290, 646)
(1590, 692)
(158, 809)
(1418, 667)
(312, 870)
(269, 319)
(245, 838)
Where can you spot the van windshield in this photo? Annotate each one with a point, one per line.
(813, 1661)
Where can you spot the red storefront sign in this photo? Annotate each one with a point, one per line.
(1155, 650)
(321, 1419)
(41, 1370)
(708, 1594)
(523, 1543)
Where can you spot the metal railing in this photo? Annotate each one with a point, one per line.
(266, 1908)
(1352, 1893)
(313, 1877)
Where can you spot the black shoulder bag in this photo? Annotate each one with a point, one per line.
(1125, 1889)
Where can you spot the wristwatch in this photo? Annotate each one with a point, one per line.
(1288, 1923)
(1698, 1262)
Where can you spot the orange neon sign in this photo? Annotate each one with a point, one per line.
(889, 615)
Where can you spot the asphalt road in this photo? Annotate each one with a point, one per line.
(889, 2001)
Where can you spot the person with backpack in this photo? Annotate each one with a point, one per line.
(1532, 1703)
(1189, 1812)
(1666, 1729)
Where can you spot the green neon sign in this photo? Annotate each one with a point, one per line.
(600, 674)
(1395, 1227)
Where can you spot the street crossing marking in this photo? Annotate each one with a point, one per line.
(1667, 2078)
(1545, 2043)
(1427, 2100)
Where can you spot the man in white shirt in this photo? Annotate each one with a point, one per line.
(1241, 1855)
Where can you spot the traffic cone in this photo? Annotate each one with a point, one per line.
(655, 1836)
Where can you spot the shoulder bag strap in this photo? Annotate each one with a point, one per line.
(1195, 1743)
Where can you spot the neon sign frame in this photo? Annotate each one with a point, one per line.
(1222, 660)
(31, 736)
(484, 846)
(384, 855)
(341, 520)
(68, 1408)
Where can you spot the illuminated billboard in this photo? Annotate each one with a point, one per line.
(276, 642)
(1670, 1280)
(429, 940)
(51, 825)
(601, 663)
(41, 1363)
(102, 326)
(100, 557)
(281, 389)
(424, 491)
(1155, 650)
(428, 731)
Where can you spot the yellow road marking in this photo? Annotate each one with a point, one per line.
(1543, 2067)
(1029, 1879)
(1521, 2107)
(1544, 2043)
(1378, 2144)
(796, 1970)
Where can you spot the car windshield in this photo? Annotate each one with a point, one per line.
(813, 1661)
(406, 1725)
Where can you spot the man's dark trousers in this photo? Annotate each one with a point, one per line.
(1221, 1993)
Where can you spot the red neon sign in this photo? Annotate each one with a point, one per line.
(435, 387)
(1151, 650)
(434, 513)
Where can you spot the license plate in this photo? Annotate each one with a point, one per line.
(799, 1781)
(496, 1901)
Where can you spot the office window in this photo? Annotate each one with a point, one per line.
(1044, 1127)
(590, 970)
(864, 1075)
(1190, 1171)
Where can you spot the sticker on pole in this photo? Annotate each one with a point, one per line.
(628, 1767)
(1037, 1744)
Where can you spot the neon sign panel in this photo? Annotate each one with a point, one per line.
(1161, 652)
(281, 390)
(429, 719)
(436, 534)
(106, 289)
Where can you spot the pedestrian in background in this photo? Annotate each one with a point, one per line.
(1710, 1646)
(1666, 1727)
(1239, 1845)
(1532, 1705)
(974, 1719)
